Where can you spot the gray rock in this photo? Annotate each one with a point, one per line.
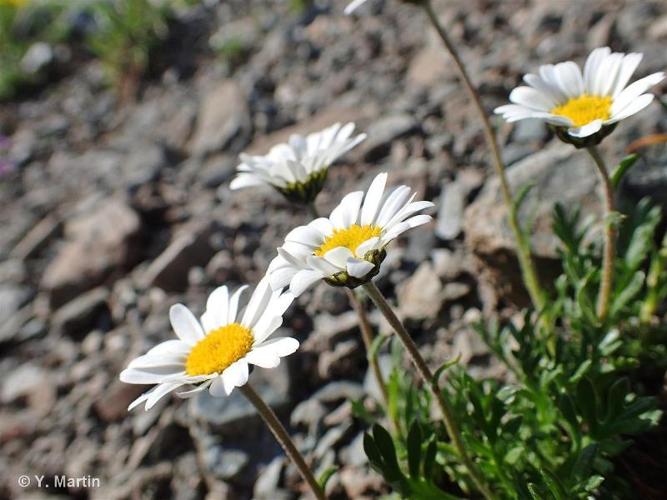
(218, 171)
(144, 165)
(267, 482)
(648, 177)
(370, 382)
(559, 173)
(450, 212)
(331, 439)
(420, 297)
(448, 264)
(224, 463)
(384, 131)
(353, 454)
(36, 239)
(340, 360)
(223, 120)
(429, 66)
(98, 242)
(12, 297)
(78, 316)
(528, 131)
(21, 382)
(454, 291)
(339, 390)
(37, 58)
(189, 248)
(308, 413)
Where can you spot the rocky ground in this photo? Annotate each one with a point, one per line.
(115, 211)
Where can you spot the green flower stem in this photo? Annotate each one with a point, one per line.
(283, 438)
(526, 262)
(427, 376)
(609, 236)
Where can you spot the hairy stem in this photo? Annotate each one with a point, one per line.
(425, 373)
(283, 439)
(609, 255)
(526, 262)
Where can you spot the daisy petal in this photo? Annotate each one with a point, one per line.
(235, 375)
(159, 392)
(303, 280)
(373, 199)
(358, 268)
(217, 388)
(587, 130)
(338, 256)
(185, 325)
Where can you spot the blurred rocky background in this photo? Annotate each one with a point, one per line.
(115, 205)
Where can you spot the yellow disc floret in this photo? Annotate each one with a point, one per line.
(219, 349)
(350, 237)
(585, 109)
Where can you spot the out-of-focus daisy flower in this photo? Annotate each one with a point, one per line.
(354, 5)
(347, 248)
(214, 354)
(299, 168)
(583, 108)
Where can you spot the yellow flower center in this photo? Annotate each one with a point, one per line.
(585, 109)
(350, 237)
(219, 349)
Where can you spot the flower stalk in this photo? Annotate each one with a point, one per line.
(283, 438)
(609, 254)
(427, 376)
(526, 262)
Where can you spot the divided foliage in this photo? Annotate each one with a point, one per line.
(576, 393)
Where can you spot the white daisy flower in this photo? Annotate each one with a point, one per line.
(214, 354)
(298, 169)
(579, 106)
(354, 5)
(347, 248)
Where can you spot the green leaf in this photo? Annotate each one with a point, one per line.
(616, 398)
(372, 452)
(414, 449)
(587, 401)
(628, 293)
(513, 425)
(385, 446)
(521, 194)
(553, 483)
(581, 371)
(622, 168)
(325, 476)
(535, 493)
(429, 458)
(447, 364)
(377, 344)
(593, 483)
(585, 459)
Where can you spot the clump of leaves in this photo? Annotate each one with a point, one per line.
(127, 32)
(575, 396)
(22, 25)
